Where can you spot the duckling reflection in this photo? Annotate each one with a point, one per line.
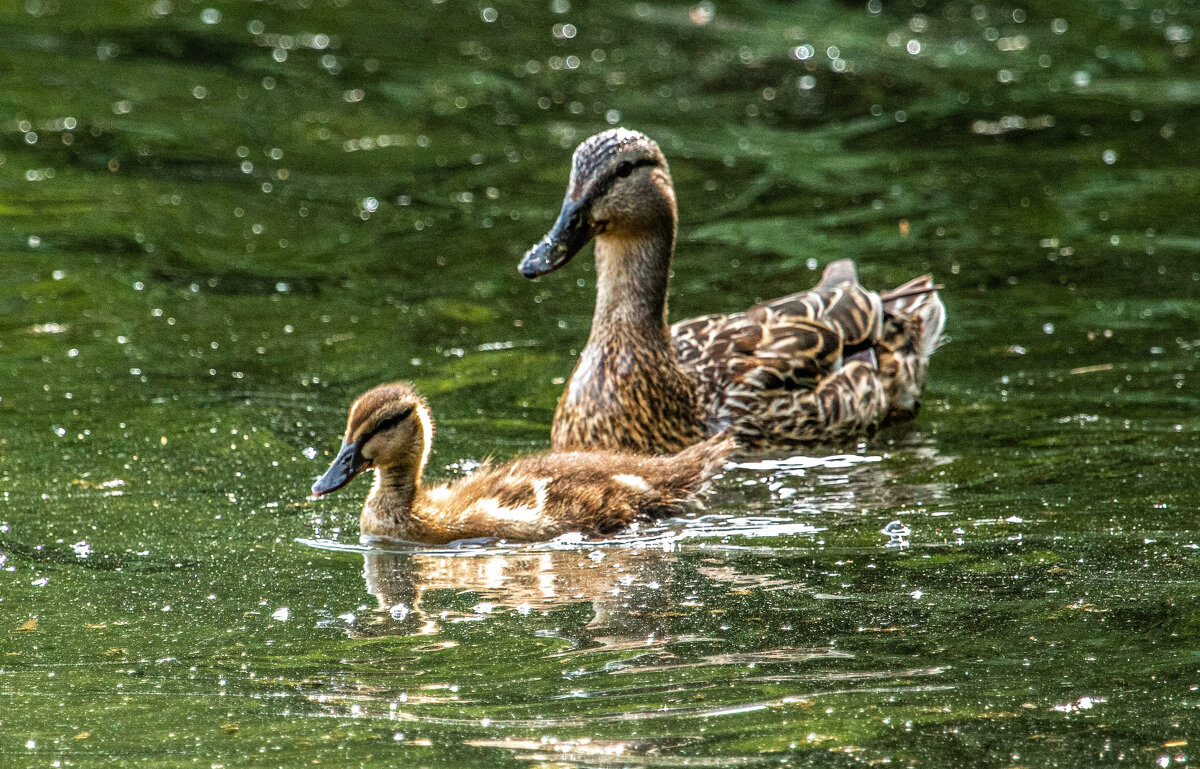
(629, 589)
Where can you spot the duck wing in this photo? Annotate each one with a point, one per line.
(789, 343)
(805, 367)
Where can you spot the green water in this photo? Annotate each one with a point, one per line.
(217, 226)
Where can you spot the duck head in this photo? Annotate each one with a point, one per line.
(389, 427)
(619, 187)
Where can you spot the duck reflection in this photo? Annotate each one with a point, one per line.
(827, 489)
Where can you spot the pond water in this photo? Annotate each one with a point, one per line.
(220, 221)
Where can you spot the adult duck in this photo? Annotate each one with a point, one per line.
(534, 498)
(821, 365)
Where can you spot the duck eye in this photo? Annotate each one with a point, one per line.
(625, 169)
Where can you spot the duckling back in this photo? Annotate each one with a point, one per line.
(593, 492)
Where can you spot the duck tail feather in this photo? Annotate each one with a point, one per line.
(918, 298)
(933, 323)
(837, 273)
(903, 298)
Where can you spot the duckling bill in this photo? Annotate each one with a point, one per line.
(533, 498)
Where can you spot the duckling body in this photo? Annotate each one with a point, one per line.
(529, 499)
(820, 365)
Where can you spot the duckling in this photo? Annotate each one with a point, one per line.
(534, 498)
(821, 365)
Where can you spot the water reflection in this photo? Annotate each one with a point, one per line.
(611, 636)
(627, 589)
(632, 579)
(839, 489)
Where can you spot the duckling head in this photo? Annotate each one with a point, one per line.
(619, 187)
(389, 428)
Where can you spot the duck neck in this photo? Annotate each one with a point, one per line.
(389, 508)
(631, 292)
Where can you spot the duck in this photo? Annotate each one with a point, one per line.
(538, 497)
(825, 365)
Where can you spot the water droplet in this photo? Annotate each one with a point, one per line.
(1178, 33)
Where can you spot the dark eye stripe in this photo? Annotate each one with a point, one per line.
(623, 170)
(626, 168)
(388, 423)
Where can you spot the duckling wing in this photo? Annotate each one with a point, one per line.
(494, 501)
(593, 492)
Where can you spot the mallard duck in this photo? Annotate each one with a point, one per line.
(820, 365)
(534, 498)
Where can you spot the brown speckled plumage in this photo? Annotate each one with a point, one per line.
(532, 498)
(821, 365)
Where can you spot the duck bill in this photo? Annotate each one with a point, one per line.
(348, 463)
(569, 234)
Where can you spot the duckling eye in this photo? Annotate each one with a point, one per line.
(625, 169)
